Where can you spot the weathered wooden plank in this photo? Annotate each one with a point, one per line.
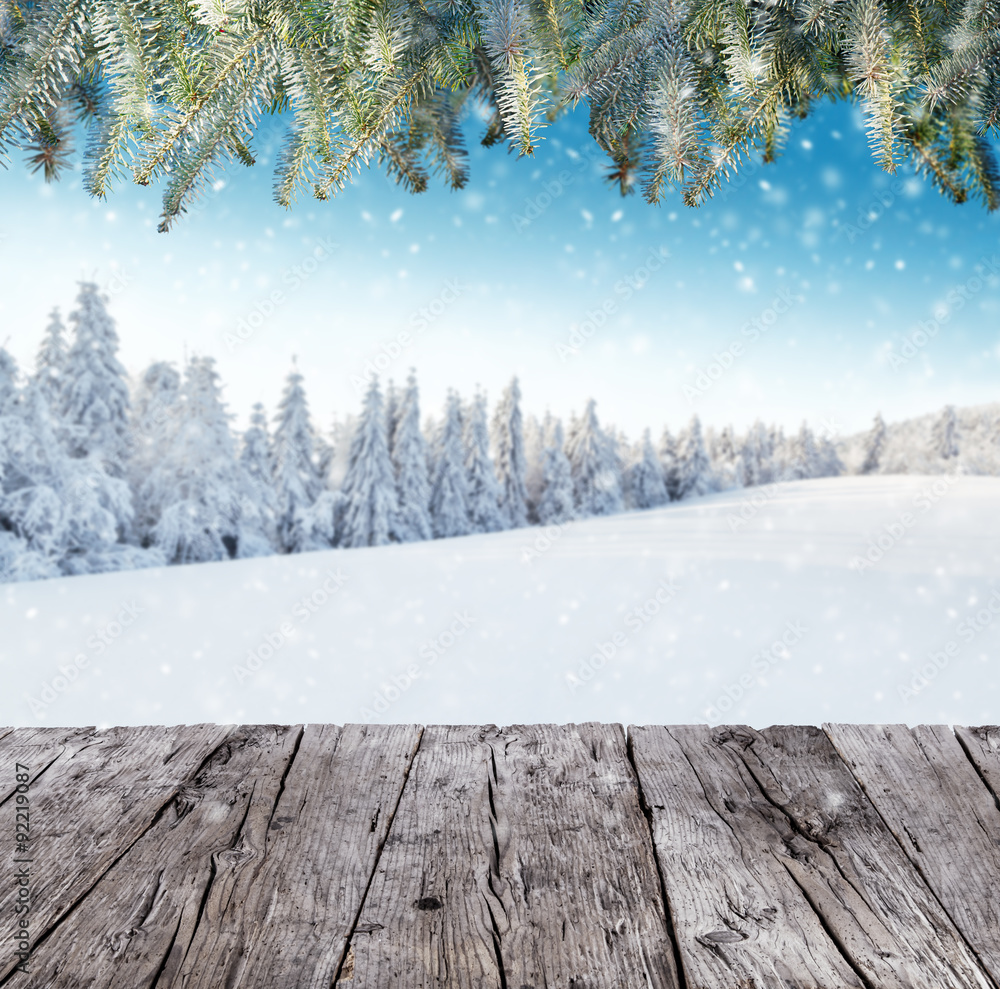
(136, 924)
(739, 918)
(576, 876)
(37, 748)
(91, 806)
(279, 913)
(929, 794)
(850, 866)
(430, 920)
(982, 746)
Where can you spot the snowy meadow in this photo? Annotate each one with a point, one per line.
(480, 563)
(101, 473)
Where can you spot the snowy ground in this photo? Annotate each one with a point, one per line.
(470, 630)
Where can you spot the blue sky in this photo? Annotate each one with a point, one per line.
(499, 278)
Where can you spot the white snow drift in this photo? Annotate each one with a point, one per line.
(873, 599)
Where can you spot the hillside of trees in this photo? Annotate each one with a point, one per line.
(99, 472)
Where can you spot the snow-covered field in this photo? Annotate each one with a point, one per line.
(666, 616)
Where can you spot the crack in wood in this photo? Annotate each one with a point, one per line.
(348, 952)
(647, 811)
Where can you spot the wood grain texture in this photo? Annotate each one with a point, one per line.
(982, 746)
(576, 874)
(931, 797)
(740, 920)
(432, 917)
(278, 915)
(849, 865)
(37, 748)
(136, 924)
(91, 805)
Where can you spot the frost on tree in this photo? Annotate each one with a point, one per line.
(873, 446)
(593, 464)
(369, 491)
(255, 460)
(727, 462)
(154, 404)
(392, 411)
(535, 433)
(50, 363)
(297, 483)
(483, 489)
(695, 469)
(95, 394)
(511, 466)
(804, 457)
(644, 477)
(945, 434)
(409, 457)
(198, 492)
(555, 505)
(757, 455)
(58, 514)
(449, 491)
(670, 464)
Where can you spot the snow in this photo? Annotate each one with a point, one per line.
(505, 628)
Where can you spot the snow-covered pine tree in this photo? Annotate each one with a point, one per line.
(50, 363)
(803, 461)
(297, 483)
(695, 469)
(483, 492)
(199, 493)
(944, 435)
(830, 464)
(646, 485)
(369, 491)
(555, 505)
(393, 398)
(509, 457)
(255, 460)
(449, 492)
(670, 464)
(8, 381)
(591, 454)
(727, 463)
(535, 434)
(873, 445)
(758, 455)
(151, 427)
(94, 391)
(58, 514)
(409, 457)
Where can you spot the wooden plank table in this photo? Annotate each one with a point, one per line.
(527, 857)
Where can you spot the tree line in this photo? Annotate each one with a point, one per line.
(101, 473)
